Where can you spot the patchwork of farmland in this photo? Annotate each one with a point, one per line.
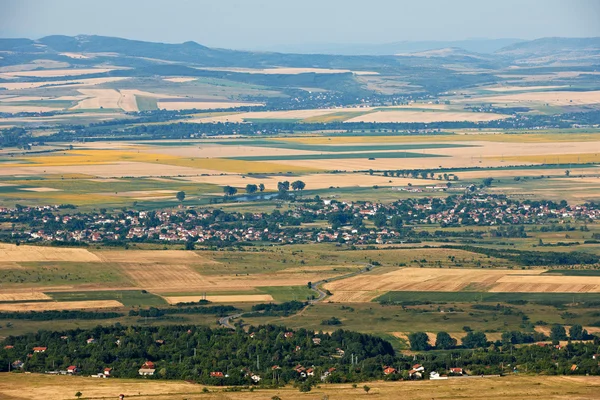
(358, 289)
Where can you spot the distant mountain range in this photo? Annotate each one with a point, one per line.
(479, 53)
(484, 46)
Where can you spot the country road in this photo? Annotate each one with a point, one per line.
(321, 295)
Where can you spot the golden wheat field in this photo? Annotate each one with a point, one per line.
(524, 387)
(234, 298)
(24, 296)
(556, 98)
(291, 71)
(389, 116)
(54, 73)
(13, 253)
(62, 305)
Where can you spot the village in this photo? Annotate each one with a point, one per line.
(325, 220)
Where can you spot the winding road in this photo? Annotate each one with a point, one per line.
(321, 295)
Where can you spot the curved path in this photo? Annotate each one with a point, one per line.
(321, 295)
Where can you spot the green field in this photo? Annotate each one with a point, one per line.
(336, 156)
(145, 103)
(42, 273)
(574, 272)
(129, 298)
(444, 297)
(288, 293)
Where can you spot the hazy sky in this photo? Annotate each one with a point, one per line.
(262, 23)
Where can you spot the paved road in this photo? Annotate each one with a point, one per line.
(321, 295)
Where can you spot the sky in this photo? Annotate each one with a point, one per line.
(255, 24)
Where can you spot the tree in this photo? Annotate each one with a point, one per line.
(488, 182)
(229, 190)
(567, 172)
(78, 394)
(366, 389)
(419, 341)
(474, 340)
(380, 220)
(396, 222)
(578, 333)
(261, 187)
(558, 333)
(283, 186)
(298, 185)
(443, 341)
(250, 188)
(180, 196)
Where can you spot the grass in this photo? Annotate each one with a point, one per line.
(336, 156)
(129, 298)
(288, 293)
(61, 273)
(443, 297)
(574, 272)
(145, 103)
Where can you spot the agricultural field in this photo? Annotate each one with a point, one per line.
(150, 173)
(12, 387)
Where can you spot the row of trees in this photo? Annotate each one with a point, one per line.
(419, 341)
(282, 187)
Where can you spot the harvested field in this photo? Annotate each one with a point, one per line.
(24, 296)
(164, 276)
(152, 256)
(523, 387)
(521, 88)
(202, 105)
(556, 98)
(110, 170)
(144, 194)
(99, 98)
(179, 79)
(236, 298)
(13, 253)
(291, 71)
(557, 157)
(60, 305)
(547, 284)
(41, 189)
(463, 136)
(61, 84)
(54, 73)
(361, 289)
(314, 181)
(275, 115)
(18, 109)
(421, 116)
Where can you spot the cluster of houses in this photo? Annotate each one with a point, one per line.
(186, 225)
